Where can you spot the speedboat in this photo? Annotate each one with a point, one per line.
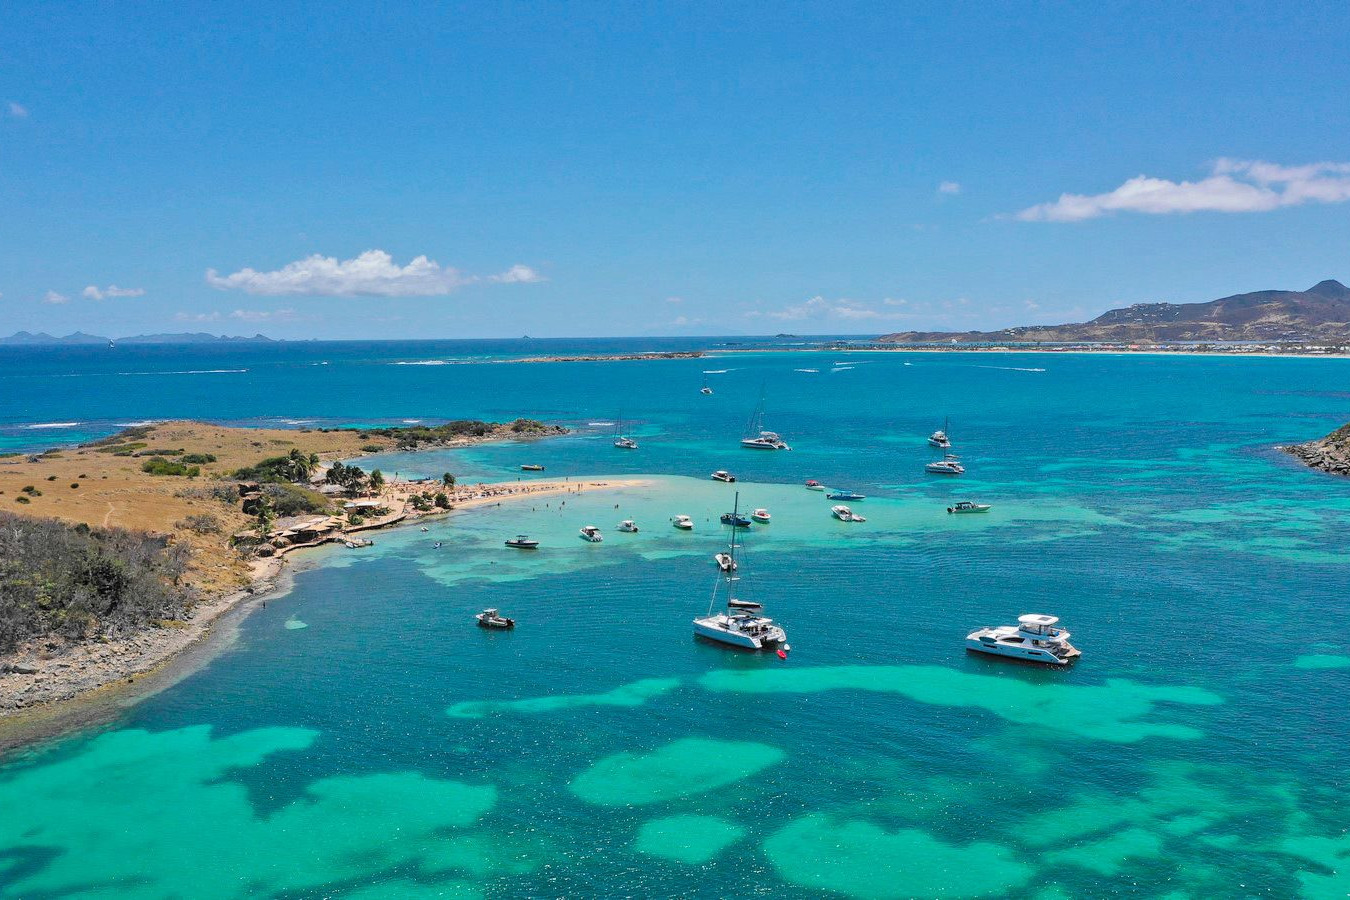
(939, 438)
(725, 562)
(813, 485)
(846, 495)
(723, 475)
(592, 534)
(762, 516)
(948, 465)
(682, 522)
(844, 514)
(629, 526)
(531, 468)
(1033, 638)
(490, 618)
(966, 506)
(735, 520)
(523, 542)
(739, 626)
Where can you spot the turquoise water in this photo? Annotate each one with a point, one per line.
(364, 739)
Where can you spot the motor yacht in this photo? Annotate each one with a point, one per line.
(629, 526)
(948, 465)
(852, 496)
(844, 514)
(761, 516)
(523, 542)
(682, 522)
(736, 520)
(490, 618)
(966, 506)
(592, 534)
(1034, 638)
(813, 485)
(531, 467)
(723, 475)
(739, 626)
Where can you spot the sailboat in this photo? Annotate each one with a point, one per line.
(621, 440)
(738, 627)
(705, 389)
(756, 438)
(939, 438)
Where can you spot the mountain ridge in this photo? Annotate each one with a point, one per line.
(1321, 313)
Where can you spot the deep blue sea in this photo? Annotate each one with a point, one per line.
(362, 738)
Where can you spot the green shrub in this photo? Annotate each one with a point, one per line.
(199, 458)
(200, 523)
(74, 485)
(51, 477)
(292, 499)
(21, 499)
(158, 465)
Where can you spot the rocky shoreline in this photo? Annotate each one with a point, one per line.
(1330, 454)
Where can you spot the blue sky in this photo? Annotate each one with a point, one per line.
(593, 169)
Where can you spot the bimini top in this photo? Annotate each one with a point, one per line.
(1036, 619)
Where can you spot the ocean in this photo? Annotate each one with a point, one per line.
(362, 738)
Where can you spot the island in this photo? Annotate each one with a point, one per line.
(118, 554)
(1329, 454)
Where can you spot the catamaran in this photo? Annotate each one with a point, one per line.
(948, 465)
(738, 627)
(939, 438)
(621, 440)
(756, 438)
(1034, 638)
(705, 389)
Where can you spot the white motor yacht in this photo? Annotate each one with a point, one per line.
(1034, 638)
(725, 562)
(761, 516)
(490, 618)
(738, 626)
(969, 506)
(723, 475)
(948, 465)
(844, 514)
(682, 522)
(629, 526)
(592, 534)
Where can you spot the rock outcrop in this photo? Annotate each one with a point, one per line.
(1330, 454)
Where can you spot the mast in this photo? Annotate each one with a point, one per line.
(731, 551)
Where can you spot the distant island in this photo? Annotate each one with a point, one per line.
(1319, 314)
(79, 338)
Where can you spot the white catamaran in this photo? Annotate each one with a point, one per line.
(738, 626)
(621, 440)
(756, 438)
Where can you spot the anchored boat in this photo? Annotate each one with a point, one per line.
(490, 618)
(739, 626)
(1034, 638)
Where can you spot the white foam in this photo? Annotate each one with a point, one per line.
(190, 372)
(424, 362)
(1008, 368)
(715, 371)
(137, 424)
(53, 425)
(812, 371)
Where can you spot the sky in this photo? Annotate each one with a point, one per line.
(489, 170)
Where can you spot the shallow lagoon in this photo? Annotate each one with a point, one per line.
(390, 748)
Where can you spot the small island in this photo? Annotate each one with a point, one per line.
(1329, 454)
(118, 554)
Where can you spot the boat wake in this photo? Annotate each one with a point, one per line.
(1008, 368)
(812, 371)
(53, 425)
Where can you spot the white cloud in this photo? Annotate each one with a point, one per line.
(372, 274)
(1234, 186)
(54, 298)
(949, 187)
(674, 299)
(196, 317)
(17, 111)
(820, 309)
(264, 315)
(93, 292)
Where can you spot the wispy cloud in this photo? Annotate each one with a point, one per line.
(822, 309)
(949, 187)
(1233, 186)
(372, 274)
(93, 292)
(54, 298)
(196, 317)
(17, 110)
(264, 315)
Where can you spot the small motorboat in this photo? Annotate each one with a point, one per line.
(744, 604)
(629, 526)
(948, 465)
(705, 390)
(725, 562)
(966, 506)
(813, 485)
(425, 529)
(523, 542)
(844, 514)
(762, 516)
(851, 496)
(682, 522)
(723, 475)
(490, 618)
(531, 468)
(357, 543)
(736, 520)
(592, 534)
(1034, 638)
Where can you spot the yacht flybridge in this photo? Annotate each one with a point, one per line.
(756, 438)
(1034, 638)
(738, 626)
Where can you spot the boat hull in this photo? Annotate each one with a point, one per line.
(1026, 654)
(709, 630)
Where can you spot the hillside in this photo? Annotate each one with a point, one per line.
(1321, 313)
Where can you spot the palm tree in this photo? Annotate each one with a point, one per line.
(377, 481)
(448, 480)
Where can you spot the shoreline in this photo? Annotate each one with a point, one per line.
(93, 682)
